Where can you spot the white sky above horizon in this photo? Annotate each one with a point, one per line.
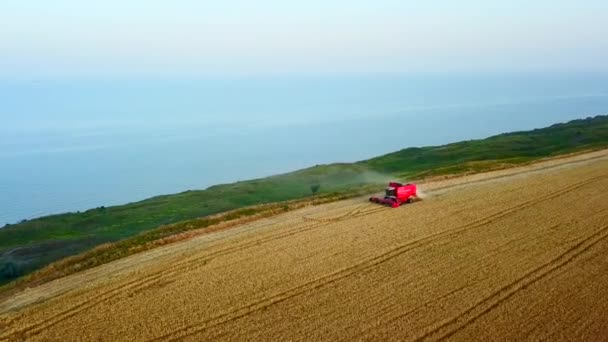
(234, 37)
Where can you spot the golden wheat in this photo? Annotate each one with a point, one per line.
(494, 258)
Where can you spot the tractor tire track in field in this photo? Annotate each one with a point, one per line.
(356, 212)
(141, 283)
(303, 259)
(137, 284)
(405, 314)
(368, 264)
(145, 281)
(481, 308)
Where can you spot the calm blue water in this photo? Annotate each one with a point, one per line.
(74, 145)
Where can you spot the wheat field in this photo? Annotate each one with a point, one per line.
(519, 254)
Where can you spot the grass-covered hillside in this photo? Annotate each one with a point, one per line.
(29, 245)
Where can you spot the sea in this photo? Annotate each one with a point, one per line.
(68, 145)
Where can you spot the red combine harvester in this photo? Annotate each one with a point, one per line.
(397, 194)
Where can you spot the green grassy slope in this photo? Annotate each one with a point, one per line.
(30, 245)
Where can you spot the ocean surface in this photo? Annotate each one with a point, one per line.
(69, 145)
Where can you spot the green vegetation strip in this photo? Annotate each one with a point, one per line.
(31, 245)
(164, 235)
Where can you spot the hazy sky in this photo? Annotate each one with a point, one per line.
(186, 37)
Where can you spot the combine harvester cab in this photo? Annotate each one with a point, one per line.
(397, 194)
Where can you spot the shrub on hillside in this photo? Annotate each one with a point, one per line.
(9, 270)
